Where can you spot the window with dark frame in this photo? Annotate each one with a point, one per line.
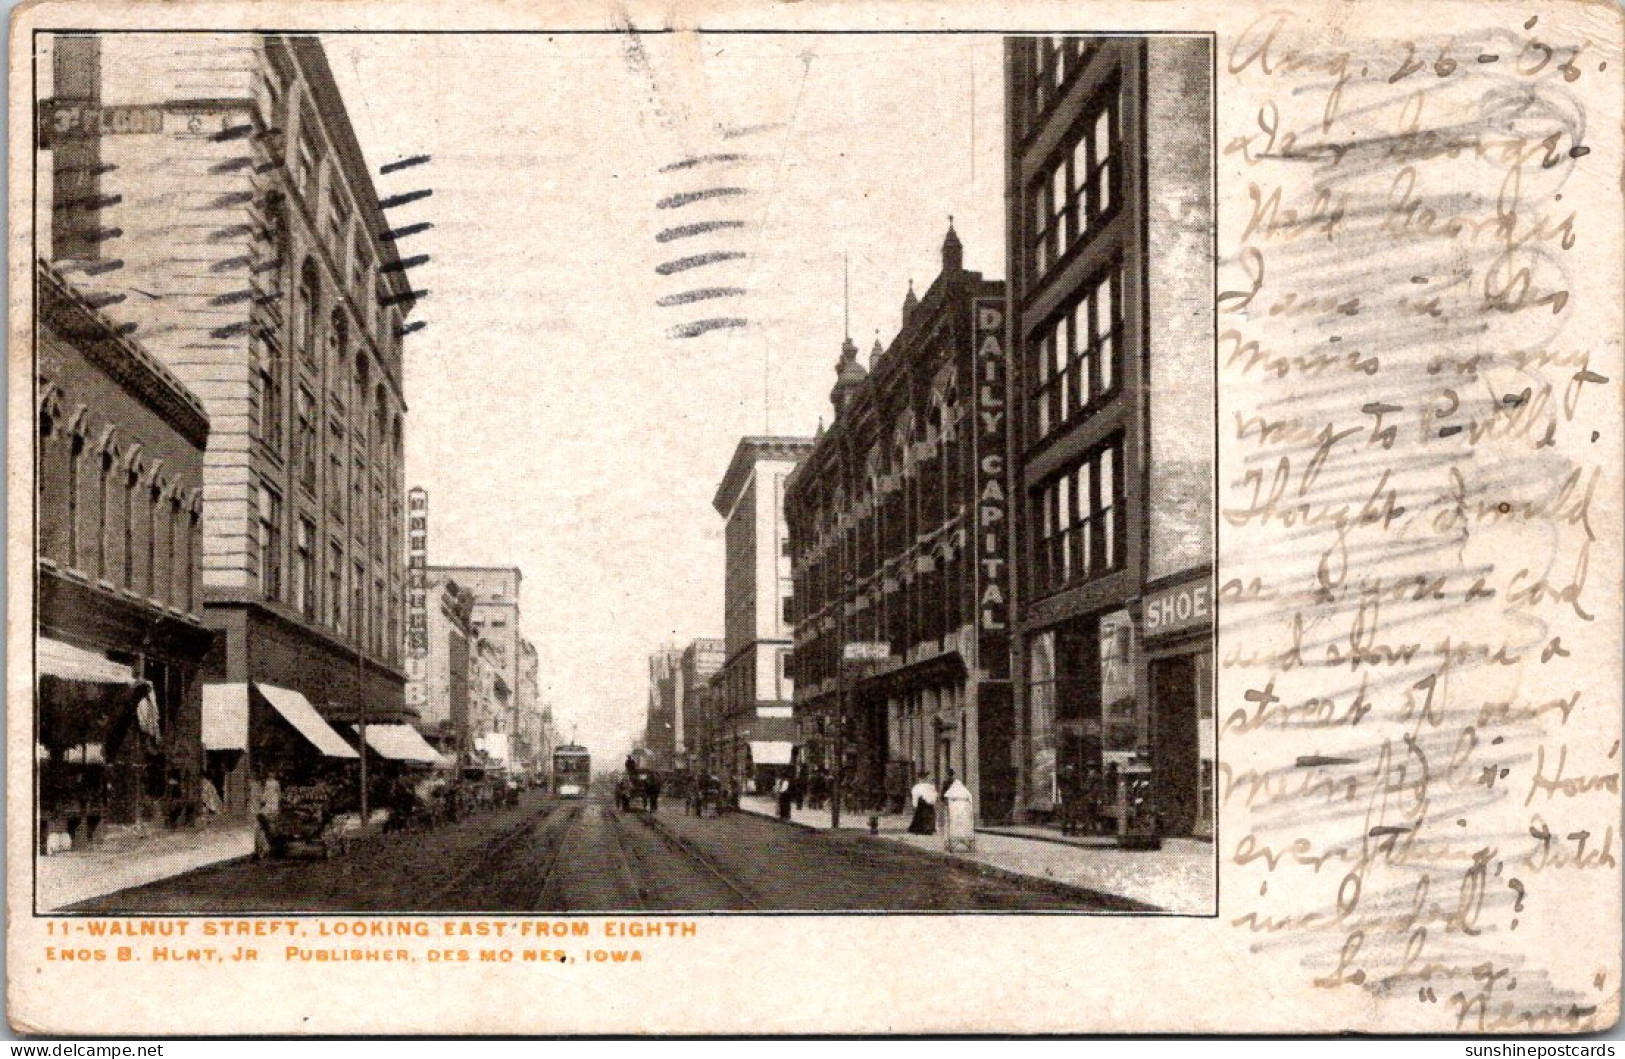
(309, 313)
(1079, 529)
(270, 541)
(1074, 193)
(305, 440)
(271, 398)
(358, 604)
(304, 573)
(335, 586)
(1072, 360)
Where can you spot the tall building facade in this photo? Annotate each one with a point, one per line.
(535, 743)
(754, 733)
(495, 620)
(1109, 158)
(121, 632)
(258, 272)
(661, 739)
(701, 661)
(438, 679)
(899, 519)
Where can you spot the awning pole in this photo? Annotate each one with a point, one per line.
(361, 701)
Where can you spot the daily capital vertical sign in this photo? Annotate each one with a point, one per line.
(992, 491)
(417, 570)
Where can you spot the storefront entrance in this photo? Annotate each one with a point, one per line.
(1176, 753)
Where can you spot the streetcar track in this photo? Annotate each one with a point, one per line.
(491, 851)
(538, 902)
(638, 888)
(687, 848)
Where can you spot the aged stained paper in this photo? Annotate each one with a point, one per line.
(1229, 501)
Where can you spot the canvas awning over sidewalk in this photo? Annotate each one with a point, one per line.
(401, 742)
(225, 718)
(86, 698)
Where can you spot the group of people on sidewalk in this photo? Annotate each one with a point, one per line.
(924, 796)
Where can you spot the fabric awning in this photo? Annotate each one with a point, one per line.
(401, 742)
(769, 753)
(86, 697)
(58, 659)
(297, 711)
(225, 716)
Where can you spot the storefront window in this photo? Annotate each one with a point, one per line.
(1119, 714)
(1041, 710)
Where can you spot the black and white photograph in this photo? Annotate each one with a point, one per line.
(819, 518)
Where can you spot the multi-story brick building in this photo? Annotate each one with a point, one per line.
(660, 735)
(700, 662)
(495, 620)
(754, 731)
(258, 269)
(899, 522)
(121, 634)
(1109, 157)
(438, 680)
(533, 738)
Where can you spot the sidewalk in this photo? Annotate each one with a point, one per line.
(65, 879)
(1178, 878)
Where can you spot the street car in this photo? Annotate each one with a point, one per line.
(572, 771)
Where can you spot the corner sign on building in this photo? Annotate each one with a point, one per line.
(992, 491)
(1178, 608)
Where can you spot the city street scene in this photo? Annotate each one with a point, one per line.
(434, 516)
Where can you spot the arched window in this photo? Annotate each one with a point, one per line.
(105, 518)
(276, 231)
(194, 549)
(51, 480)
(380, 426)
(338, 339)
(176, 589)
(132, 523)
(363, 386)
(76, 503)
(157, 545)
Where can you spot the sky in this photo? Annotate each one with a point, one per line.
(559, 416)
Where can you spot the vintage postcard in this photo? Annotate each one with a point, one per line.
(988, 517)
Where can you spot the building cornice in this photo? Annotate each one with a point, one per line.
(750, 451)
(66, 311)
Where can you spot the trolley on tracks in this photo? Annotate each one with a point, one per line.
(572, 771)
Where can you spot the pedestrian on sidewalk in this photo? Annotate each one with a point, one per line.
(783, 790)
(652, 792)
(924, 798)
(267, 807)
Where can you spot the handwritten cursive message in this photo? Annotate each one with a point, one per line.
(1419, 322)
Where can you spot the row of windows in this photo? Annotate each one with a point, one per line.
(102, 514)
(1079, 525)
(335, 212)
(1074, 194)
(370, 620)
(1053, 62)
(921, 610)
(1072, 360)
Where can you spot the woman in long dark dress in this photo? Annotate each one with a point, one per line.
(924, 797)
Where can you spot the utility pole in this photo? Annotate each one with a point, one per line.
(361, 727)
(840, 735)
